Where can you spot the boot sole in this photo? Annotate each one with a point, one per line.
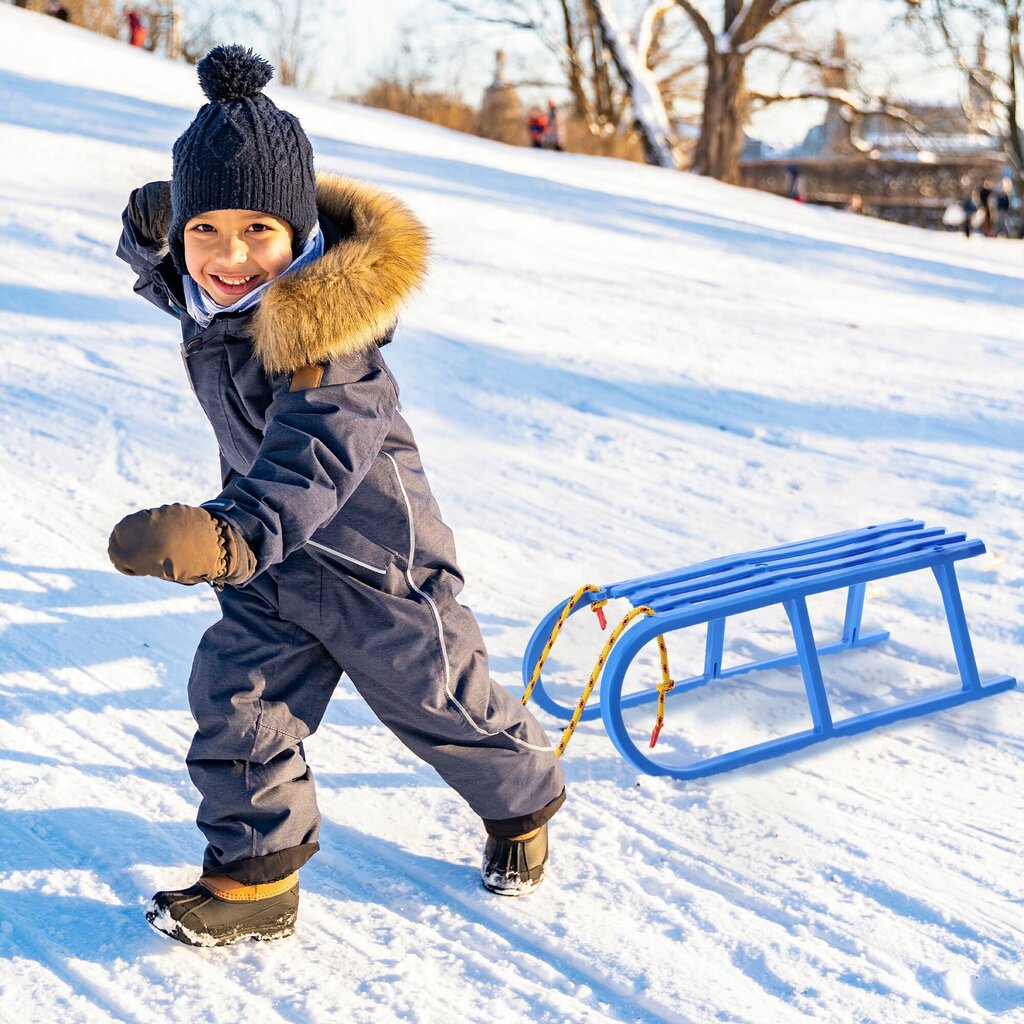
(520, 889)
(162, 922)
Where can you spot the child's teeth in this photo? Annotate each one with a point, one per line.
(237, 280)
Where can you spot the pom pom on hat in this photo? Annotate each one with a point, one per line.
(233, 73)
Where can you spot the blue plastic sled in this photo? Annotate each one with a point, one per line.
(712, 591)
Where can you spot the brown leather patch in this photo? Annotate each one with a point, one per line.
(306, 377)
(225, 888)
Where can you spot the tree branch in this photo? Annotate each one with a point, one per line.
(645, 30)
(752, 20)
(965, 65)
(568, 58)
(459, 8)
(800, 56)
(666, 81)
(701, 24)
(784, 6)
(853, 110)
(749, 21)
(852, 103)
(574, 66)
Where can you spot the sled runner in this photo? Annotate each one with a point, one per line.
(710, 592)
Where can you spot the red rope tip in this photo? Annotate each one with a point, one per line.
(655, 734)
(601, 620)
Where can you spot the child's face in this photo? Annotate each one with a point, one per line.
(228, 253)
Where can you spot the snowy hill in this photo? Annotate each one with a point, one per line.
(613, 370)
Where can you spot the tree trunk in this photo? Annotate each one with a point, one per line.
(718, 150)
(581, 107)
(649, 114)
(601, 81)
(1014, 139)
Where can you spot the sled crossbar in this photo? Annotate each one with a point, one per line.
(710, 592)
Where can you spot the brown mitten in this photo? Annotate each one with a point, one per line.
(180, 543)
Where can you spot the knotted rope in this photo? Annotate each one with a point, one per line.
(663, 688)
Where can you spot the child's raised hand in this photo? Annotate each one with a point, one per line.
(149, 208)
(182, 544)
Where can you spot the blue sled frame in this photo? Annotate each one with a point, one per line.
(712, 591)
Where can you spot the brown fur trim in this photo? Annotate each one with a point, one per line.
(350, 297)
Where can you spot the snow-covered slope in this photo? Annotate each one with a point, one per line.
(613, 370)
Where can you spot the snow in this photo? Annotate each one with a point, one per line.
(614, 370)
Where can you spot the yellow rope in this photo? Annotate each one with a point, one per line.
(598, 608)
(581, 704)
(566, 612)
(664, 686)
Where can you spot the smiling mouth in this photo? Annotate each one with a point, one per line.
(234, 285)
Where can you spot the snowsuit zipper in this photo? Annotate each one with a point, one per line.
(186, 350)
(346, 558)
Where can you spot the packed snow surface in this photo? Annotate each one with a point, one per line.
(613, 370)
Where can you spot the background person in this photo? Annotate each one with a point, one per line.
(553, 135)
(985, 194)
(138, 34)
(536, 126)
(1003, 205)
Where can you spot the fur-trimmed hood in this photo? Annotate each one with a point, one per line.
(350, 297)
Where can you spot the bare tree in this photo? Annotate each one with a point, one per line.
(969, 31)
(284, 31)
(631, 54)
(291, 26)
(747, 28)
(849, 105)
(199, 34)
(744, 29)
(569, 31)
(726, 102)
(683, 52)
(404, 85)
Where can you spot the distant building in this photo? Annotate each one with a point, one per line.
(502, 115)
(901, 171)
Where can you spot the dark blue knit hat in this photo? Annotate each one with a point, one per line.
(241, 152)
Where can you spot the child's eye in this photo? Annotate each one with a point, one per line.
(204, 229)
(259, 227)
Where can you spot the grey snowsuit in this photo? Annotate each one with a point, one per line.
(356, 571)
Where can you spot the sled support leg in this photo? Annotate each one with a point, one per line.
(807, 652)
(854, 612)
(713, 649)
(946, 577)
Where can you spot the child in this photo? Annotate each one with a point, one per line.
(325, 545)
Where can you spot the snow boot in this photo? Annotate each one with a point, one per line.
(514, 867)
(217, 910)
